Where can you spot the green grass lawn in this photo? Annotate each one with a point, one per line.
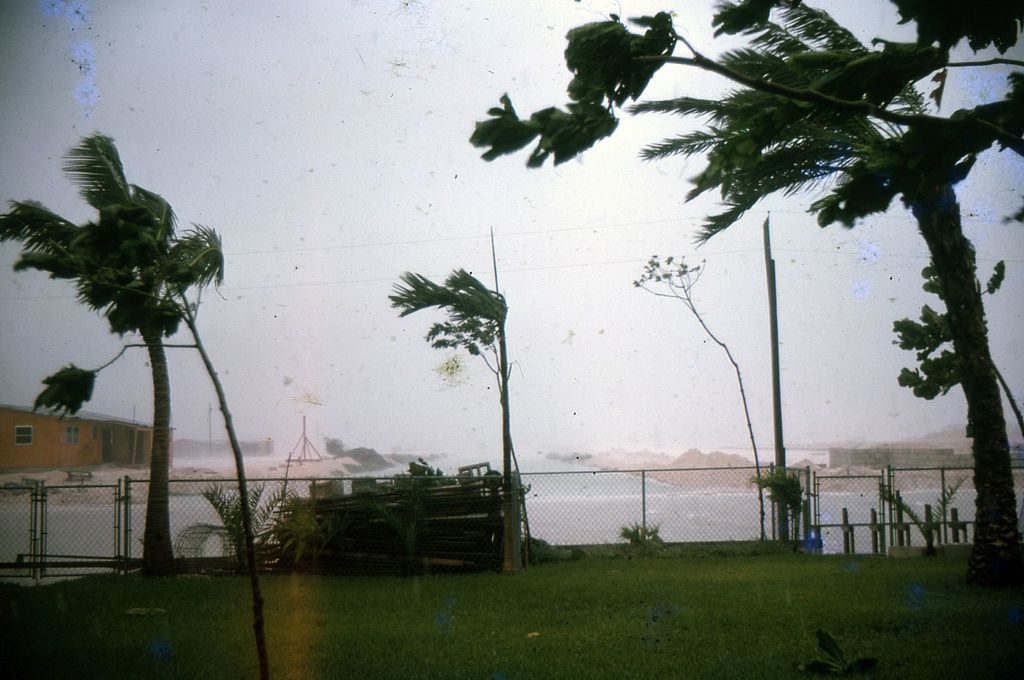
(733, 616)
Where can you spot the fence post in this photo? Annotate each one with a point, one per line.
(34, 531)
(944, 538)
(43, 527)
(882, 545)
(957, 526)
(873, 526)
(848, 541)
(929, 530)
(127, 520)
(886, 501)
(118, 514)
(643, 501)
(807, 505)
(899, 521)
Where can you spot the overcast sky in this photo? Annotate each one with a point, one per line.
(327, 142)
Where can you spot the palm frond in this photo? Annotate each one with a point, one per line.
(682, 106)
(416, 293)
(723, 220)
(816, 28)
(757, 143)
(196, 259)
(685, 145)
(95, 166)
(462, 295)
(37, 227)
(159, 207)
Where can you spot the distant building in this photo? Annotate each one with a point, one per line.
(43, 439)
(879, 457)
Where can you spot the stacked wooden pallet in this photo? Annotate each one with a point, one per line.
(417, 524)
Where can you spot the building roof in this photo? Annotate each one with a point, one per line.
(91, 416)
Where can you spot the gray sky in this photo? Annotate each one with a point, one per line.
(327, 142)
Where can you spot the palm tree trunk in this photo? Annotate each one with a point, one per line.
(511, 539)
(157, 548)
(995, 559)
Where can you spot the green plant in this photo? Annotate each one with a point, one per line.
(541, 552)
(926, 528)
(642, 540)
(228, 507)
(301, 535)
(784, 489)
(815, 108)
(836, 662)
(476, 323)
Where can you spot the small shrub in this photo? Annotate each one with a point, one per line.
(228, 506)
(641, 540)
(834, 662)
(301, 535)
(541, 551)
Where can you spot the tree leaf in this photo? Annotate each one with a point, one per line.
(996, 280)
(504, 133)
(828, 644)
(950, 21)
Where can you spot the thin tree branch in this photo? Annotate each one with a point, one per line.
(125, 348)
(681, 292)
(243, 492)
(987, 62)
(860, 106)
(117, 356)
(1009, 397)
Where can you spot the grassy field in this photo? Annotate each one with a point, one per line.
(706, 616)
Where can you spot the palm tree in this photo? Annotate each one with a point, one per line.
(759, 142)
(130, 265)
(817, 108)
(476, 323)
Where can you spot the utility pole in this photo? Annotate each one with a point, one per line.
(773, 320)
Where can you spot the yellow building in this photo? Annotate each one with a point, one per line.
(40, 440)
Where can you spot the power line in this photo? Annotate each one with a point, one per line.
(445, 239)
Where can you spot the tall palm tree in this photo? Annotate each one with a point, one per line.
(819, 108)
(759, 142)
(476, 323)
(130, 265)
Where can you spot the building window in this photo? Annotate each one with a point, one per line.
(22, 434)
(71, 434)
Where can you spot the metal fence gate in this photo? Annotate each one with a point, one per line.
(896, 507)
(85, 522)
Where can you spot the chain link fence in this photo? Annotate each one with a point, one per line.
(868, 513)
(58, 530)
(684, 505)
(73, 528)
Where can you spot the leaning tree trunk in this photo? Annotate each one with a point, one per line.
(511, 560)
(157, 549)
(995, 558)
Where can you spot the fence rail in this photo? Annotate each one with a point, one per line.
(73, 529)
